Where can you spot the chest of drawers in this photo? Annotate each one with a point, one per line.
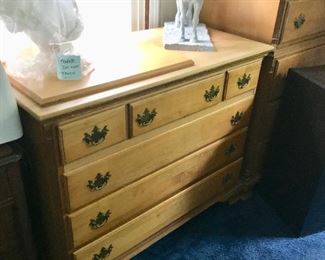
(297, 30)
(115, 172)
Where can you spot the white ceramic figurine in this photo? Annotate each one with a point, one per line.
(45, 22)
(184, 16)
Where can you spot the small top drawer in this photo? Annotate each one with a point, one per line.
(163, 108)
(303, 18)
(242, 79)
(92, 133)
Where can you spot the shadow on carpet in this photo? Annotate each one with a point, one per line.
(246, 230)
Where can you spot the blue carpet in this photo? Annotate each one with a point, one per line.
(246, 230)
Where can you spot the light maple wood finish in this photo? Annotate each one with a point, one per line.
(71, 134)
(313, 12)
(176, 103)
(229, 15)
(139, 196)
(310, 57)
(164, 214)
(138, 162)
(144, 157)
(233, 76)
(271, 21)
(125, 145)
(129, 62)
(80, 194)
(231, 49)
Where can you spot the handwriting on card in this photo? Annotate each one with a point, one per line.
(68, 67)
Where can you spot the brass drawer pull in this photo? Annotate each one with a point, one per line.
(226, 179)
(211, 94)
(243, 81)
(231, 149)
(104, 252)
(99, 182)
(299, 21)
(146, 118)
(100, 220)
(235, 120)
(96, 137)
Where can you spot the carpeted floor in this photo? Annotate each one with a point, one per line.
(246, 230)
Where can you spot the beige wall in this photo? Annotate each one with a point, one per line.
(167, 10)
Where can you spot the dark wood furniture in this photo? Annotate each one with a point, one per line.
(294, 180)
(15, 234)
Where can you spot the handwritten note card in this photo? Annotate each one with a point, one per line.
(68, 67)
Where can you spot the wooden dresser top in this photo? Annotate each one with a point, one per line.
(230, 50)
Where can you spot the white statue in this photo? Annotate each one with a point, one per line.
(45, 22)
(188, 12)
(48, 23)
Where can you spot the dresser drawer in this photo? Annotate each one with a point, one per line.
(163, 108)
(242, 79)
(134, 199)
(303, 18)
(311, 57)
(128, 165)
(147, 224)
(92, 133)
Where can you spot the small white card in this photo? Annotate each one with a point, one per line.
(68, 67)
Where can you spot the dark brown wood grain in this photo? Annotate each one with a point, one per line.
(16, 241)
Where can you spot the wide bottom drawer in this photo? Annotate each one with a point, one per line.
(137, 230)
(116, 209)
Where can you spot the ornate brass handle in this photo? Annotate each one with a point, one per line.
(226, 178)
(211, 94)
(99, 182)
(96, 136)
(146, 118)
(235, 120)
(104, 252)
(243, 81)
(100, 220)
(231, 149)
(299, 21)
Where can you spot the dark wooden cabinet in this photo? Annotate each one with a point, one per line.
(294, 177)
(15, 234)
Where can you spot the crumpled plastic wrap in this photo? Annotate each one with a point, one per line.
(49, 24)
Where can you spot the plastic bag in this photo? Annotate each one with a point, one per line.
(49, 24)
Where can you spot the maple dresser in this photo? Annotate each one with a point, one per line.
(114, 171)
(297, 30)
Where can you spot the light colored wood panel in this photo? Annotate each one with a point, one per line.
(176, 103)
(231, 49)
(147, 224)
(154, 133)
(246, 18)
(72, 134)
(310, 57)
(242, 79)
(80, 194)
(119, 65)
(153, 153)
(137, 197)
(310, 13)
